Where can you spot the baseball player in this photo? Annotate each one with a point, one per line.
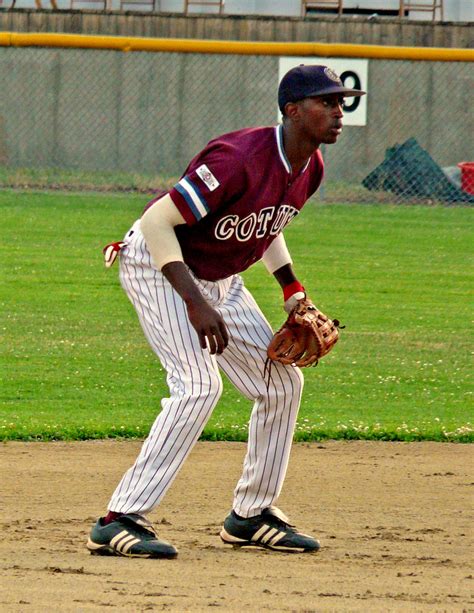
(180, 265)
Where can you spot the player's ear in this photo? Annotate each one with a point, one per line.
(292, 110)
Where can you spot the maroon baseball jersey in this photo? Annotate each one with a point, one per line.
(236, 196)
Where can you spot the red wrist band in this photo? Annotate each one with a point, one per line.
(291, 289)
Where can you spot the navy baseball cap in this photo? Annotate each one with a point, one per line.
(305, 81)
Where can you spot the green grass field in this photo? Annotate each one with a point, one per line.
(75, 364)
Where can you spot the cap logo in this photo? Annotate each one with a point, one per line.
(331, 75)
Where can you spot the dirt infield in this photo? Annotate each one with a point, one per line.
(393, 520)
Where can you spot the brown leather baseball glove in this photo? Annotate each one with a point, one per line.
(306, 336)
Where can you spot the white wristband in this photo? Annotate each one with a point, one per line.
(293, 301)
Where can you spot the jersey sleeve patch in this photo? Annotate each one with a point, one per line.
(207, 177)
(193, 196)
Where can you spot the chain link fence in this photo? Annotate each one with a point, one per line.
(99, 119)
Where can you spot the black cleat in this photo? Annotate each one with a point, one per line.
(129, 535)
(271, 530)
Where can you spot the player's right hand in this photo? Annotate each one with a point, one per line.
(209, 326)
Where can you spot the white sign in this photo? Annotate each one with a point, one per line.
(353, 73)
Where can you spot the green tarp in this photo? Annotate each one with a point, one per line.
(410, 172)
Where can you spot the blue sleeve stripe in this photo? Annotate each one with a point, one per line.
(193, 197)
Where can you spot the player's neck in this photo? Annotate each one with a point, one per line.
(297, 149)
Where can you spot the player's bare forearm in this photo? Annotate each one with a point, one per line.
(207, 322)
(179, 277)
(293, 291)
(285, 275)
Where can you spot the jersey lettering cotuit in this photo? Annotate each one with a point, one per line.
(255, 225)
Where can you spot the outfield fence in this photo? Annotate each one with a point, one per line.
(85, 111)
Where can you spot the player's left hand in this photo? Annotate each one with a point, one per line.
(306, 336)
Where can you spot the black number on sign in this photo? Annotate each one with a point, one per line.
(349, 74)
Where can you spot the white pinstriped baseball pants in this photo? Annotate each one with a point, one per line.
(195, 386)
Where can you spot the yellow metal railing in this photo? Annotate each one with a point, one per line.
(185, 45)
